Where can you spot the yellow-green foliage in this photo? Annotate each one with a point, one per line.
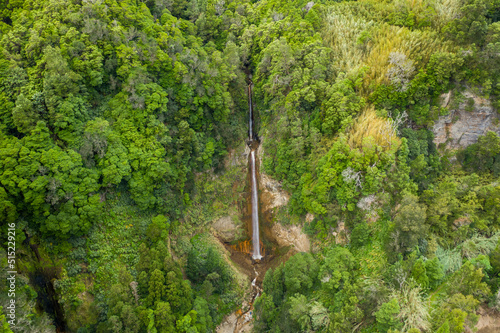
(358, 36)
(369, 124)
(342, 31)
(417, 45)
(446, 10)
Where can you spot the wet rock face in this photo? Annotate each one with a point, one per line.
(471, 118)
(238, 156)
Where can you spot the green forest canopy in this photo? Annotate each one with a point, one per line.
(116, 114)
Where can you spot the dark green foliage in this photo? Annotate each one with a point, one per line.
(206, 264)
(434, 272)
(423, 157)
(472, 25)
(409, 225)
(360, 234)
(342, 103)
(483, 156)
(274, 284)
(116, 118)
(300, 273)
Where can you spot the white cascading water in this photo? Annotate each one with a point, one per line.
(250, 122)
(255, 200)
(255, 213)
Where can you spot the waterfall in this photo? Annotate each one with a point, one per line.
(255, 212)
(255, 199)
(250, 122)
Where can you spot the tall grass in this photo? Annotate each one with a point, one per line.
(342, 31)
(358, 37)
(368, 124)
(446, 10)
(417, 45)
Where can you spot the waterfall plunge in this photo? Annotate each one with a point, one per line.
(255, 212)
(250, 120)
(255, 200)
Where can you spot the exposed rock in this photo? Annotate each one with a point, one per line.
(340, 234)
(291, 236)
(248, 328)
(238, 156)
(228, 325)
(309, 217)
(489, 321)
(460, 222)
(446, 99)
(466, 122)
(227, 229)
(308, 6)
(272, 193)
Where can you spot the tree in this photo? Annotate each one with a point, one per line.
(434, 272)
(401, 71)
(445, 328)
(468, 281)
(204, 321)
(129, 319)
(483, 156)
(419, 273)
(311, 316)
(164, 320)
(274, 284)
(341, 103)
(472, 23)
(409, 225)
(206, 263)
(265, 312)
(178, 293)
(458, 314)
(387, 316)
(24, 115)
(156, 290)
(301, 272)
(338, 269)
(4, 328)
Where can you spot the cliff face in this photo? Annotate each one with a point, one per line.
(470, 117)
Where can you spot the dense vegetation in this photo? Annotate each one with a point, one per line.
(117, 117)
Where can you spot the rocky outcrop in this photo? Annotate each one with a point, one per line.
(468, 119)
(272, 193)
(238, 156)
(291, 236)
(489, 321)
(341, 235)
(229, 228)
